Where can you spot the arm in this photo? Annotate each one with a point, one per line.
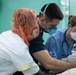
(52, 64)
(45, 59)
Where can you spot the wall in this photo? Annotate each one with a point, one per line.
(73, 7)
(8, 6)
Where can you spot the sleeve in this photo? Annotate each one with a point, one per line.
(31, 71)
(37, 44)
(51, 46)
(21, 58)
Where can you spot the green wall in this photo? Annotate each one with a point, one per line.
(8, 6)
(73, 7)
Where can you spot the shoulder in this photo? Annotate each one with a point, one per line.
(11, 40)
(58, 34)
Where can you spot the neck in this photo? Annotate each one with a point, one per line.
(68, 38)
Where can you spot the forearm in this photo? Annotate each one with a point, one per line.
(50, 63)
(59, 65)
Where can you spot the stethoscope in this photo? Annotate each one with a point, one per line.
(64, 42)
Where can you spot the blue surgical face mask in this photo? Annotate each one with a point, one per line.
(52, 30)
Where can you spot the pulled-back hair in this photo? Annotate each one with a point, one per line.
(52, 11)
(72, 20)
(69, 19)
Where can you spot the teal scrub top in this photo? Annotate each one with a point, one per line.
(58, 46)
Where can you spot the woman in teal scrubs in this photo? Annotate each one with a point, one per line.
(61, 43)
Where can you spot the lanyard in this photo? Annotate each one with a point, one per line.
(64, 41)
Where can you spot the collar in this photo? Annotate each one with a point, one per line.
(65, 35)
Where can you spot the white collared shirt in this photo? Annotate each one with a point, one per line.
(14, 55)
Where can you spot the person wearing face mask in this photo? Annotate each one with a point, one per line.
(52, 30)
(14, 43)
(49, 16)
(61, 43)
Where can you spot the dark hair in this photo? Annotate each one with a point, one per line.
(69, 19)
(72, 20)
(52, 11)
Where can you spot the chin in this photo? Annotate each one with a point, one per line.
(30, 39)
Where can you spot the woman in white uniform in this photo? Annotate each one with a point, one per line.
(14, 52)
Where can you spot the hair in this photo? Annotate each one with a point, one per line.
(69, 19)
(72, 20)
(52, 11)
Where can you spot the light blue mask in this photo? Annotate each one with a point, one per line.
(52, 30)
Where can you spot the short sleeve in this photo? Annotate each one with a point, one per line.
(20, 57)
(15, 53)
(37, 44)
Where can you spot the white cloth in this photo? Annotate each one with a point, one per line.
(14, 55)
(69, 72)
